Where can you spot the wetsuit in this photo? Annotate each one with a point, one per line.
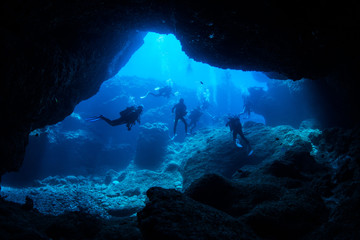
(236, 128)
(180, 112)
(129, 117)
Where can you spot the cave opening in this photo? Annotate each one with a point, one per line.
(300, 182)
(111, 161)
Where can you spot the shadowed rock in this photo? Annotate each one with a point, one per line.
(172, 215)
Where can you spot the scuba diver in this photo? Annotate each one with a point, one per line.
(164, 92)
(180, 112)
(129, 116)
(194, 117)
(236, 128)
(247, 108)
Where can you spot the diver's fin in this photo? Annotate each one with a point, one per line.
(172, 138)
(251, 152)
(93, 119)
(145, 95)
(237, 142)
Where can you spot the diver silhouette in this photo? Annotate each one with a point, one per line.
(162, 92)
(247, 108)
(194, 117)
(180, 112)
(129, 116)
(236, 128)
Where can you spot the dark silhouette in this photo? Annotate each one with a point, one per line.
(247, 108)
(180, 112)
(129, 116)
(194, 117)
(236, 128)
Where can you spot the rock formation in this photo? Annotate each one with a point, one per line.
(304, 187)
(212, 151)
(58, 53)
(294, 195)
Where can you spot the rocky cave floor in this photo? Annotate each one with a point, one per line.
(298, 184)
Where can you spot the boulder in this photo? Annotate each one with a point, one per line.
(234, 198)
(170, 214)
(296, 163)
(296, 213)
(273, 207)
(344, 214)
(214, 152)
(211, 152)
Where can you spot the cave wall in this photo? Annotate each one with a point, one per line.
(57, 53)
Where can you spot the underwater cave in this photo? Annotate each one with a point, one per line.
(67, 173)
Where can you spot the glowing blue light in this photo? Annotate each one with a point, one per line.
(161, 57)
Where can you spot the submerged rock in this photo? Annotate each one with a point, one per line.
(214, 152)
(236, 199)
(278, 198)
(296, 213)
(211, 152)
(270, 206)
(72, 179)
(172, 215)
(304, 186)
(17, 222)
(110, 176)
(132, 192)
(296, 163)
(123, 212)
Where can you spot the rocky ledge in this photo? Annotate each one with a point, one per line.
(299, 184)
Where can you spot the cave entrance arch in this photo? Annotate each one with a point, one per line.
(76, 147)
(159, 62)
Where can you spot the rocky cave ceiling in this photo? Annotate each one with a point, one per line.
(57, 53)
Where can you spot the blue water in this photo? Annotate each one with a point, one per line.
(79, 147)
